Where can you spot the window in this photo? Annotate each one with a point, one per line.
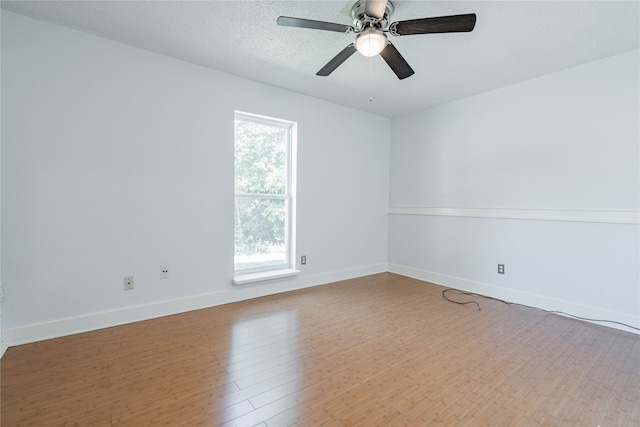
(264, 197)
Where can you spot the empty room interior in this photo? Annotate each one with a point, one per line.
(320, 213)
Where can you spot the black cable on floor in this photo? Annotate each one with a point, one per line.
(444, 296)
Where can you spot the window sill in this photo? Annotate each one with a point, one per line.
(245, 279)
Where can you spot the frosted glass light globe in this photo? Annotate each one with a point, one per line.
(370, 42)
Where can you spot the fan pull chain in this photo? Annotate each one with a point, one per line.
(371, 77)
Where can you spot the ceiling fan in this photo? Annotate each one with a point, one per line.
(370, 19)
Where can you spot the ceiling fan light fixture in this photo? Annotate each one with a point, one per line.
(371, 25)
(371, 42)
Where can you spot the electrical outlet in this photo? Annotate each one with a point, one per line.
(500, 268)
(303, 260)
(1, 294)
(164, 272)
(128, 283)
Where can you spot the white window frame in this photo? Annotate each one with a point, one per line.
(260, 274)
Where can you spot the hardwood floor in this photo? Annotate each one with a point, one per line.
(379, 350)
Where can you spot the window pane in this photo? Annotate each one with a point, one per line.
(259, 232)
(260, 158)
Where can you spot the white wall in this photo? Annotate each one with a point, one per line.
(541, 176)
(117, 161)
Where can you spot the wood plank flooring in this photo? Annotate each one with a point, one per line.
(379, 350)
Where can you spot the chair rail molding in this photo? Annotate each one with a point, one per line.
(608, 217)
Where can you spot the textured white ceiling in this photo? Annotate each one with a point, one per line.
(513, 41)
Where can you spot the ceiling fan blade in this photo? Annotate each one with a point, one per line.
(337, 60)
(397, 63)
(287, 21)
(439, 24)
(375, 8)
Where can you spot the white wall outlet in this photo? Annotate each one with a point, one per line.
(128, 283)
(1, 294)
(164, 272)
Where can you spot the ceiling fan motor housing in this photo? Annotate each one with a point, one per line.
(361, 20)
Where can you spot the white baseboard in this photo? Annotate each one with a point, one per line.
(69, 326)
(510, 295)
